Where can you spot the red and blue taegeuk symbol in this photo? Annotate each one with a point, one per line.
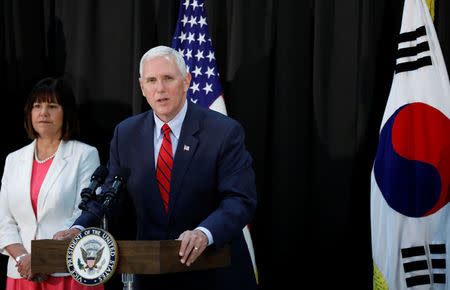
(412, 167)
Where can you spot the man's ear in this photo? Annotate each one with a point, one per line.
(141, 85)
(187, 81)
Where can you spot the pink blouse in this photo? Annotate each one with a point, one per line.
(37, 177)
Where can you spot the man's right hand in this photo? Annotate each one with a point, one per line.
(66, 234)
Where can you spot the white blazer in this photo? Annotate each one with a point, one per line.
(57, 206)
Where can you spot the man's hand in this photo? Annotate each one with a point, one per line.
(193, 243)
(66, 234)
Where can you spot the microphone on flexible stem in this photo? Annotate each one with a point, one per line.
(88, 193)
(120, 179)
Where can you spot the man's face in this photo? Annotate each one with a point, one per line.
(164, 86)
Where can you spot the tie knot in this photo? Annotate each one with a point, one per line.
(165, 129)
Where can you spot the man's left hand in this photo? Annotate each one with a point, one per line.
(66, 235)
(193, 243)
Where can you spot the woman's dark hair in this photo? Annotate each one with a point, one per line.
(53, 90)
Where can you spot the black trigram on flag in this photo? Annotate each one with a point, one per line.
(424, 265)
(413, 50)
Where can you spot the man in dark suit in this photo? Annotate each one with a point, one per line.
(191, 181)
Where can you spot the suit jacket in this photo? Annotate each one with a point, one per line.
(58, 199)
(212, 185)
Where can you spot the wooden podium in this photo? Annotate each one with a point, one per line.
(135, 257)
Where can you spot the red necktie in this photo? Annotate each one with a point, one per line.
(164, 166)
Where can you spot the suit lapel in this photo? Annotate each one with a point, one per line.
(58, 164)
(148, 145)
(186, 148)
(25, 168)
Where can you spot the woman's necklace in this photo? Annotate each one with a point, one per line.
(44, 160)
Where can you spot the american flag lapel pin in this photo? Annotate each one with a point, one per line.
(186, 148)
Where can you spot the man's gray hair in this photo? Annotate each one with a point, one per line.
(163, 51)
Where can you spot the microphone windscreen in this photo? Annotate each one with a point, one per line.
(101, 172)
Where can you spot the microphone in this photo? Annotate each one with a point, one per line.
(88, 193)
(119, 181)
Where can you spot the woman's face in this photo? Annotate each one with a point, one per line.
(47, 119)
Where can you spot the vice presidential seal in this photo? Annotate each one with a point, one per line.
(92, 256)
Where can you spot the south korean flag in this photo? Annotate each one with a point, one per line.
(410, 181)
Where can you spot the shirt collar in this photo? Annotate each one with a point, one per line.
(174, 124)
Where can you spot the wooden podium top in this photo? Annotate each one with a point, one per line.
(135, 257)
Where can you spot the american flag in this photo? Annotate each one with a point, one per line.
(192, 40)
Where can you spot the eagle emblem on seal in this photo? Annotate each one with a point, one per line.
(91, 258)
